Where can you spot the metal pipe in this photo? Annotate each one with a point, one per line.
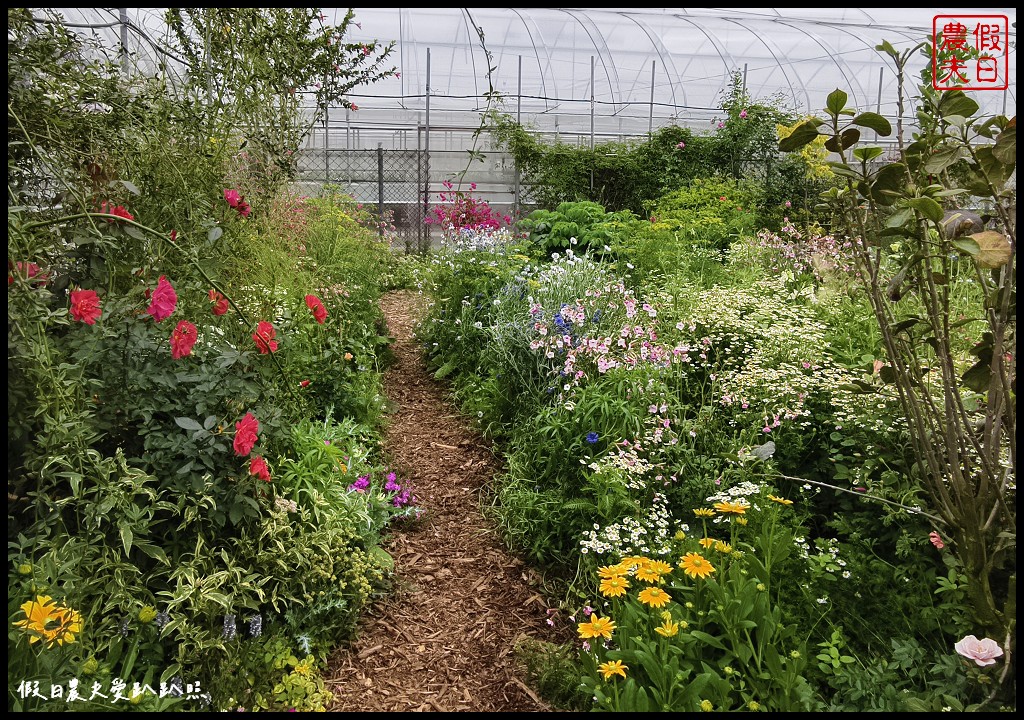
(650, 119)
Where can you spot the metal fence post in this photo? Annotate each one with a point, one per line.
(380, 187)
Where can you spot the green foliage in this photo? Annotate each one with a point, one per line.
(129, 502)
(582, 226)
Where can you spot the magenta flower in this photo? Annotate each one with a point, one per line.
(743, 114)
(680, 145)
(164, 300)
(232, 197)
(984, 651)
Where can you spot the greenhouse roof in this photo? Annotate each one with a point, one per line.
(631, 70)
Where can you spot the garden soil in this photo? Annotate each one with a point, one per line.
(444, 639)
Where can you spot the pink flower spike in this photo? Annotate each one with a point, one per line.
(984, 651)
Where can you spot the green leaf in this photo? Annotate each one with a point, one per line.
(889, 179)
(900, 218)
(209, 422)
(867, 154)
(955, 102)
(214, 234)
(997, 171)
(874, 121)
(942, 159)
(887, 48)
(927, 207)
(126, 537)
(708, 639)
(978, 377)
(1005, 149)
(802, 134)
(187, 423)
(836, 101)
(134, 232)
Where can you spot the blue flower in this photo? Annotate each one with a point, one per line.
(592, 437)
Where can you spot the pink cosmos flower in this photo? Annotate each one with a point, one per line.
(164, 300)
(984, 651)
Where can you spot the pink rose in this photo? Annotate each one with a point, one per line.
(984, 651)
(164, 300)
(936, 540)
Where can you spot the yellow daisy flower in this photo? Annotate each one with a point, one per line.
(654, 596)
(723, 547)
(704, 512)
(661, 566)
(613, 667)
(731, 507)
(614, 586)
(49, 622)
(667, 628)
(694, 565)
(707, 543)
(780, 501)
(741, 520)
(646, 573)
(634, 561)
(597, 627)
(610, 571)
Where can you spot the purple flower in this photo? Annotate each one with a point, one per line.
(360, 484)
(592, 437)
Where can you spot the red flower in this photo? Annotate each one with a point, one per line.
(246, 431)
(164, 300)
(232, 197)
(220, 303)
(182, 339)
(319, 311)
(243, 208)
(174, 235)
(118, 210)
(29, 271)
(264, 337)
(85, 306)
(304, 383)
(258, 467)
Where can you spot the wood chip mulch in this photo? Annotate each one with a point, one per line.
(444, 639)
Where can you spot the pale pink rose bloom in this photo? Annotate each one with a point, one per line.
(984, 651)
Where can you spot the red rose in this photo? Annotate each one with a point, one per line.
(319, 311)
(264, 337)
(258, 467)
(304, 383)
(182, 339)
(118, 210)
(246, 434)
(85, 306)
(220, 303)
(164, 300)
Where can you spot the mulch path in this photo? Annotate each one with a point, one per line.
(444, 639)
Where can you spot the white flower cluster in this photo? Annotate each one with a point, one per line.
(648, 535)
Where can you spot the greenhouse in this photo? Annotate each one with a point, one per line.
(512, 359)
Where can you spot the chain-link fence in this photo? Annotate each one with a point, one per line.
(391, 181)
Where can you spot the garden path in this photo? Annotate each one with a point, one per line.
(444, 639)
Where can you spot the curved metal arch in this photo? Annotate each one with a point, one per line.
(468, 21)
(843, 68)
(613, 85)
(714, 44)
(911, 109)
(536, 52)
(785, 74)
(666, 61)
